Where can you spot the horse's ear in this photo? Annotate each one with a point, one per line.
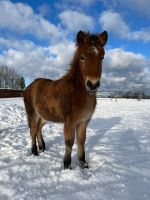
(81, 37)
(103, 37)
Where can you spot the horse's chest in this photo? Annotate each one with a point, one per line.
(87, 109)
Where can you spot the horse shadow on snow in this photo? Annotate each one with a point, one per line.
(100, 126)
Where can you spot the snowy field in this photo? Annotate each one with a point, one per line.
(117, 150)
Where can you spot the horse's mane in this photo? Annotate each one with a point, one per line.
(73, 72)
(92, 39)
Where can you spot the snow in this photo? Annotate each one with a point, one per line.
(117, 150)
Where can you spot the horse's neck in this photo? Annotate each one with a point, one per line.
(75, 75)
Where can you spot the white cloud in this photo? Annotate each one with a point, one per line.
(21, 18)
(63, 53)
(44, 9)
(82, 3)
(142, 7)
(16, 44)
(143, 34)
(125, 70)
(33, 61)
(116, 80)
(74, 5)
(75, 21)
(115, 24)
(121, 59)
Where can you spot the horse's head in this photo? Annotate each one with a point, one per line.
(90, 53)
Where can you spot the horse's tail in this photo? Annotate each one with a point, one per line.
(28, 106)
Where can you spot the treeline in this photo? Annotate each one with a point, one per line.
(130, 95)
(136, 95)
(127, 95)
(10, 79)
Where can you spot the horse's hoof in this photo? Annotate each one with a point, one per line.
(67, 167)
(34, 151)
(84, 165)
(41, 149)
(70, 168)
(67, 163)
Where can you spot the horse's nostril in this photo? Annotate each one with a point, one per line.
(97, 84)
(89, 84)
(92, 86)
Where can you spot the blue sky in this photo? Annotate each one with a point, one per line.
(37, 38)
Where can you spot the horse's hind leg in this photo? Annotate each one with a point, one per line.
(41, 142)
(35, 124)
(33, 137)
(33, 133)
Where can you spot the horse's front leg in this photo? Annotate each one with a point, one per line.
(81, 137)
(69, 133)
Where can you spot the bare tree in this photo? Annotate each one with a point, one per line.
(9, 78)
(114, 96)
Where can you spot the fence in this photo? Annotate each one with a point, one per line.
(9, 93)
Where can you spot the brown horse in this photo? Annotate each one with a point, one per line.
(71, 99)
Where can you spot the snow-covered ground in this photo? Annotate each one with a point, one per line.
(117, 150)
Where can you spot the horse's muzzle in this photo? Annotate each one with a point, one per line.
(92, 86)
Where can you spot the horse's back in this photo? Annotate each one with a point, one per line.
(37, 82)
(36, 86)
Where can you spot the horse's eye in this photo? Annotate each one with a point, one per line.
(82, 58)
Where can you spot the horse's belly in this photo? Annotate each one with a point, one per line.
(51, 114)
